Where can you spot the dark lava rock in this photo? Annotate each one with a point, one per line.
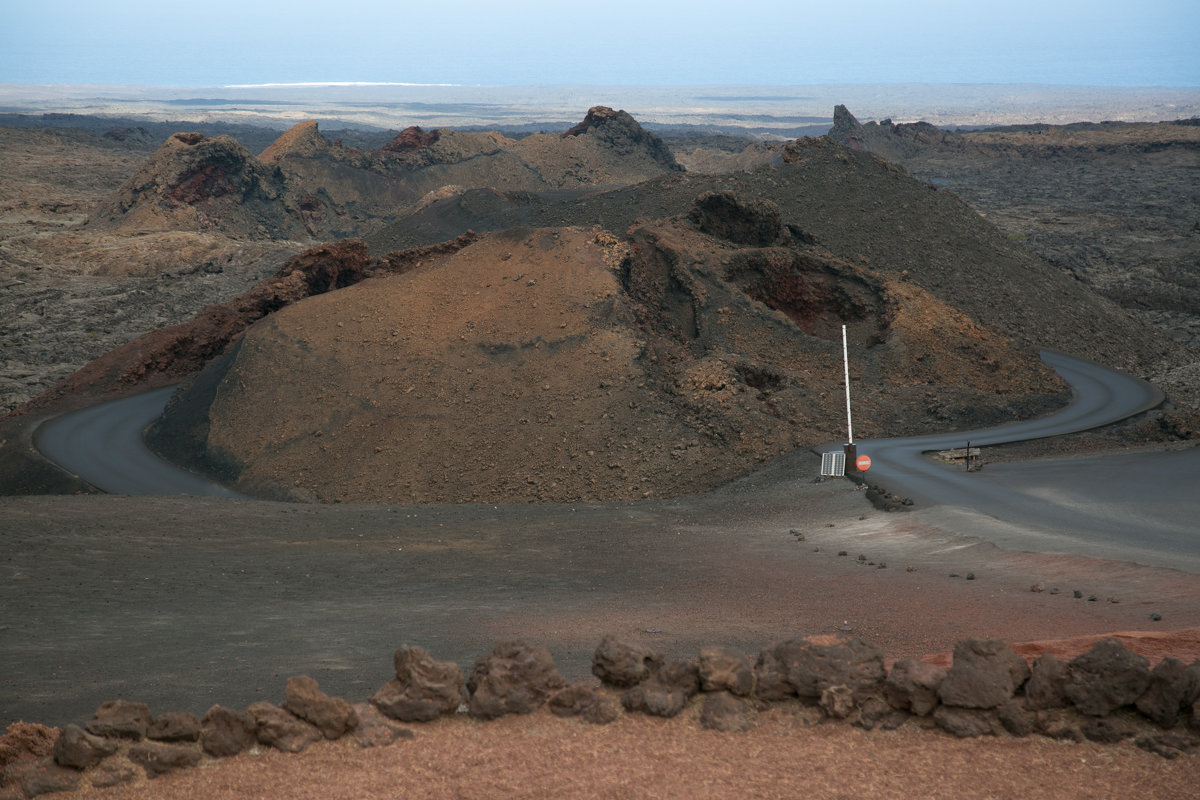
(770, 678)
(120, 719)
(1014, 718)
(284, 731)
(46, 777)
(410, 139)
(724, 670)
(622, 663)
(1056, 725)
(1106, 730)
(375, 730)
(422, 690)
(586, 702)
(963, 722)
(515, 678)
(1105, 678)
(837, 701)
(78, 749)
(875, 712)
(333, 716)
(913, 686)
(1167, 745)
(816, 663)
(174, 726)
(112, 774)
(159, 759)
(726, 712)
(1046, 687)
(1172, 688)
(984, 674)
(667, 692)
(225, 732)
(624, 134)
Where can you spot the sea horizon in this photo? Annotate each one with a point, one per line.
(763, 109)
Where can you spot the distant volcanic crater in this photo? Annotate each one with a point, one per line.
(194, 182)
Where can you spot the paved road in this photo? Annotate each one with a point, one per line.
(103, 445)
(1139, 507)
(1102, 396)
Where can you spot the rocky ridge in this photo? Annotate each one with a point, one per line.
(304, 185)
(1108, 695)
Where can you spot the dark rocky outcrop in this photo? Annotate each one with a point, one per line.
(840, 676)
(816, 663)
(1046, 687)
(120, 719)
(175, 726)
(515, 678)
(375, 730)
(333, 716)
(622, 133)
(78, 749)
(225, 732)
(194, 182)
(622, 663)
(159, 759)
(280, 729)
(726, 712)
(721, 669)
(1172, 688)
(913, 686)
(586, 702)
(667, 691)
(964, 722)
(39, 777)
(410, 139)
(985, 674)
(1106, 678)
(891, 141)
(422, 690)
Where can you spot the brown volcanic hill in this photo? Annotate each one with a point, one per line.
(566, 364)
(193, 182)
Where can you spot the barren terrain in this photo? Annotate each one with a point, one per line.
(606, 341)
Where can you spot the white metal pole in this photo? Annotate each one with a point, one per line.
(846, 367)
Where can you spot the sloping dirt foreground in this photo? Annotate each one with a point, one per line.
(183, 603)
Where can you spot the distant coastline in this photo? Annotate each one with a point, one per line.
(766, 111)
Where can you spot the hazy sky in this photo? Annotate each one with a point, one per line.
(518, 42)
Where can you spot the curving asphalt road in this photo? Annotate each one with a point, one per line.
(1140, 508)
(103, 445)
(1102, 396)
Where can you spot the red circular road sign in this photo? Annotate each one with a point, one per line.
(863, 463)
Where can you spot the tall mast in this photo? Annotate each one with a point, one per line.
(846, 368)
